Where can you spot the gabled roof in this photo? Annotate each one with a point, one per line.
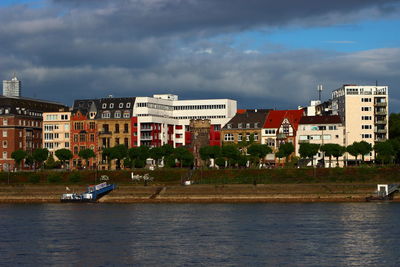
(254, 117)
(276, 117)
(334, 119)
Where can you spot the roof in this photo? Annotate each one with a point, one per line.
(334, 119)
(276, 117)
(254, 117)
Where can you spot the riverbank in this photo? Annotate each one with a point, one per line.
(199, 193)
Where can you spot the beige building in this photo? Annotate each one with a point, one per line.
(320, 130)
(364, 112)
(56, 131)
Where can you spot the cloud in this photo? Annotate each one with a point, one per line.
(66, 49)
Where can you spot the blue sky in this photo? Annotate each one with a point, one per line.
(259, 52)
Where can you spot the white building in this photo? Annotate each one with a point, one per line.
(12, 88)
(364, 111)
(56, 131)
(164, 119)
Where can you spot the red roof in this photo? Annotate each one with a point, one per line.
(276, 117)
(241, 111)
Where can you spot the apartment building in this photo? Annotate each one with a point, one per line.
(319, 130)
(56, 131)
(364, 111)
(21, 125)
(244, 124)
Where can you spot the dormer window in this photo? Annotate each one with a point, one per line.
(111, 105)
(128, 105)
(121, 105)
(229, 126)
(104, 106)
(247, 125)
(117, 114)
(240, 125)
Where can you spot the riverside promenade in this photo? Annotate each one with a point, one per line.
(228, 193)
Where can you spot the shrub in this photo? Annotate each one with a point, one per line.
(75, 177)
(34, 178)
(54, 178)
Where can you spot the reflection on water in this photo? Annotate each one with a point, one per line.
(320, 234)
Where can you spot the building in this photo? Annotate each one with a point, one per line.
(200, 132)
(319, 130)
(364, 111)
(280, 127)
(164, 119)
(21, 122)
(244, 124)
(56, 131)
(12, 88)
(84, 131)
(114, 122)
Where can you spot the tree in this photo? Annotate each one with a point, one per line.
(18, 156)
(86, 154)
(119, 152)
(330, 150)
(167, 150)
(209, 152)
(40, 155)
(230, 153)
(385, 151)
(352, 150)
(279, 154)
(287, 149)
(394, 126)
(337, 152)
(156, 153)
(50, 162)
(106, 153)
(63, 155)
(364, 148)
(308, 150)
(259, 151)
(29, 160)
(184, 156)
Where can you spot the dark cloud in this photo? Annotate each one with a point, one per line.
(70, 49)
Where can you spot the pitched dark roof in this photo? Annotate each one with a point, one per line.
(115, 104)
(83, 105)
(334, 119)
(255, 117)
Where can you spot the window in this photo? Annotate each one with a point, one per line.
(271, 142)
(106, 115)
(66, 144)
(92, 125)
(117, 141)
(332, 127)
(5, 144)
(5, 122)
(117, 114)
(229, 126)
(217, 127)
(82, 137)
(111, 105)
(104, 106)
(366, 118)
(82, 148)
(366, 127)
(322, 128)
(303, 137)
(4, 154)
(126, 128)
(256, 125)
(66, 127)
(247, 136)
(228, 137)
(128, 105)
(121, 105)
(76, 150)
(78, 125)
(269, 131)
(240, 137)
(255, 136)
(366, 136)
(126, 142)
(285, 129)
(240, 125)
(116, 128)
(4, 133)
(367, 99)
(75, 138)
(247, 125)
(126, 114)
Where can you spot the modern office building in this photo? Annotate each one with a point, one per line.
(364, 111)
(12, 88)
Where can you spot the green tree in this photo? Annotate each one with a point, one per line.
(337, 152)
(329, 151)
(40, 155)
(385, 151)
(364, 148)
(279, 154)
(106, 153)
(64, 155)
(352, 150)
(167, 150)
(29, 160)
(156, 153)
(18, 156)
(230, 153)
(259, 151)
(287, 149)
(86, 154)
(119, 152)
(50, 162)
(308, 150)
(209, 152)
(184, 156)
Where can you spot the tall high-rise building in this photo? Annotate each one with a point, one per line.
(364, 112)
(12, 88)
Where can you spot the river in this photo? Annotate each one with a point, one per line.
(307, 234)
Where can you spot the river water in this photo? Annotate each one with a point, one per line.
(314, 234)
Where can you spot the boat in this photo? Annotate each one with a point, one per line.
(93, 193)
(384, 192)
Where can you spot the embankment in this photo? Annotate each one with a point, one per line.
(328, 192)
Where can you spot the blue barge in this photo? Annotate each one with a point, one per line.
(93, 193)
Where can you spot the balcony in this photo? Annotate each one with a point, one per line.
(281, 136)
(380, 121)
(382, 131)
(146, 138)
(380, 104)
(380, 112)
(105, 132)
(380, 139)
(146, 128)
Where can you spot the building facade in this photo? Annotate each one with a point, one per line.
(12, 88)
(364, 111)
(21, 122)
(56, 131)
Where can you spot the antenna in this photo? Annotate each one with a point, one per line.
(319, 89)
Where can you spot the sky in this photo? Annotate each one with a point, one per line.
(262, 53)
